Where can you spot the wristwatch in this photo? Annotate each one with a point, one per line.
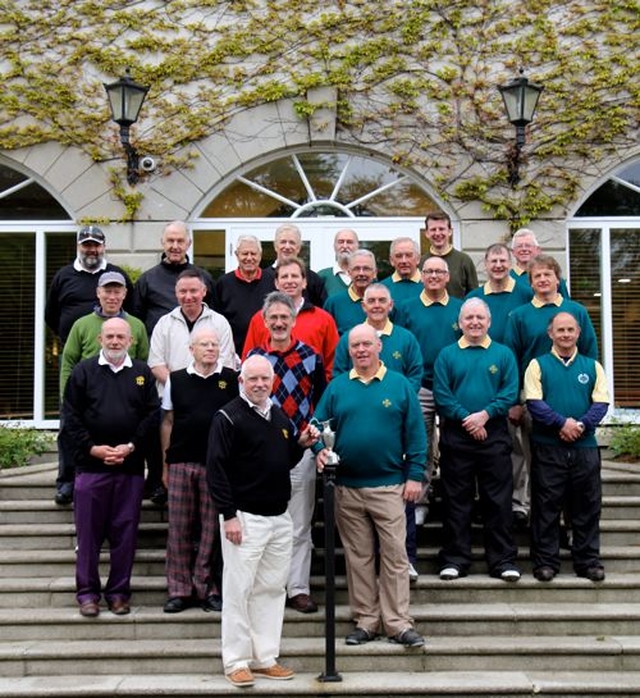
(131, 446)
(581, 425)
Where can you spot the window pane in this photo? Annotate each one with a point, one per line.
(61, 250)
(584, 269)
(625, 297)
(17, 317)
(32, 202)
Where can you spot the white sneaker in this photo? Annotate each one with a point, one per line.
(449, 573)
(510, 575)
(413, 573)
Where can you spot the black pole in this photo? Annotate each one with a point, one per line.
(329, 483)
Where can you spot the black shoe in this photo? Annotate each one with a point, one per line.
(595, 573)
(520, 521)
(408, 638)
(213, 602)
(176, 604)
(544, 574)
(64, 494)
(302, 603)
(359, 636)
(158, 496)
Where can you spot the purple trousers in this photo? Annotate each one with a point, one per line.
(106, 507)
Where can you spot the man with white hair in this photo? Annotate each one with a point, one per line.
(405, 282)
(252, 448)
(475, 383)
(336, 278)
(288, 244)
(525, 246)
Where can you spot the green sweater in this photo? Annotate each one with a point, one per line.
(380, 433)
(402, 289)
(332, 282)
(82, 342)
(501, 306)
(473, 378)
(346, 309)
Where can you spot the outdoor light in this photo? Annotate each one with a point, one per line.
(125, 99)
(520, 100)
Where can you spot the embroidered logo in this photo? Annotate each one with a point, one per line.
(493, 369)
(583, 378)
(397, 355)
(285, 433)
(222, 385)
(386, 402)
(140, 380)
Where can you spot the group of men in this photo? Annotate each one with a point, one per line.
(507, 371)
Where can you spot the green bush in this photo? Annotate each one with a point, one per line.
(18, 445)
(625, 440)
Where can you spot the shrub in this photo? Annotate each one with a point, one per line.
(18, 445)
(625, 441)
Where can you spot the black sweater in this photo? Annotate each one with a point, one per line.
(249, 460)
(195, 400)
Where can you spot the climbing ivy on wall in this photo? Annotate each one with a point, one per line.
(415, 79)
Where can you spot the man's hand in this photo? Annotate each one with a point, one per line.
(516, 415)
(233, 530)
(412, 491)
(474, 424)
(110, 455)
(308, 436)
(321, 459)
(571, 430)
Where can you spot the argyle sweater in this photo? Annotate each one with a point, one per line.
(299, 380)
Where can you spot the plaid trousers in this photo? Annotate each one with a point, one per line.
(192, 541)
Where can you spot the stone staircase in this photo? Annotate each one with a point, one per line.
(484, 637)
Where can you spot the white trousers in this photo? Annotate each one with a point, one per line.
(253, 582)
(301, 507)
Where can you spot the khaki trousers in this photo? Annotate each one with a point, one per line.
(361, 514)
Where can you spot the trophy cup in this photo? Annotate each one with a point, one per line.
(328, 438)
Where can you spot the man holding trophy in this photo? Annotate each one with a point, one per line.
(380, 443)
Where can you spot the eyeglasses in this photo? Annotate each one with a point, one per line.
(436, 272)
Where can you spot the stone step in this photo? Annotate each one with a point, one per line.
(591, 652)
(59, 592)
(152, 533)
(434, 684)
(432, 619)
(151, 561)
(44, 511)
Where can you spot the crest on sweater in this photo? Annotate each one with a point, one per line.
(583, 378)
(222, 385)
(285, 433)
(493, 369)
(386, 402)
(140, 380)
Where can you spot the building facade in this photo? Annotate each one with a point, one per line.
(361, 134)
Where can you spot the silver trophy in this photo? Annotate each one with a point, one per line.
(328, 438)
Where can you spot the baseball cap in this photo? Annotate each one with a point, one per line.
(111, 277)
(91, 233)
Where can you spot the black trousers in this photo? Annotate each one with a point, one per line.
(570, 477)
(467, 464)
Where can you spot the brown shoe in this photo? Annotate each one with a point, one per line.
(276, 672)
(302, 603)
(119, 607)
(89, 609)
(240, 678)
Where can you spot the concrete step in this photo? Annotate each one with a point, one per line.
(433, 619)
(45, 511)
(435, 684)
(59, 592)
(501, 653)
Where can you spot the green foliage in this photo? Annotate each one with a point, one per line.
(423, 71)
(18, 445)
(132, 272)
(625, 441)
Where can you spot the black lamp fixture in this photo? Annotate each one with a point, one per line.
(520, 101)
(125, 99)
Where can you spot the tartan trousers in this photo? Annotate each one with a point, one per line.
(192, 542)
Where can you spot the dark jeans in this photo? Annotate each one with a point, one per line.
(565, 476)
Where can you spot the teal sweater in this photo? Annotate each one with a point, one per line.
(332, 283)
(400, 352)
(82, 342)
(434, 326)
(501, 306)
(475, 378)
(380, 433)
(526, 331)
(402, 289)
(346, 311)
